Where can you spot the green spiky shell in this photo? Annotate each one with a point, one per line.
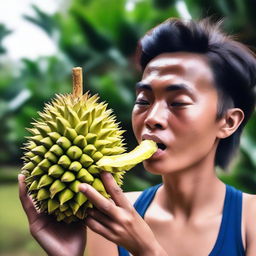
(66, 143)
(73, 140)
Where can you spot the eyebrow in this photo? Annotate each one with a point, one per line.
(171, 87)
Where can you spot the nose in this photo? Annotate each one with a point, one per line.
(157, 117)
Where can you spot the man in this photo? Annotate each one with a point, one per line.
(194, 98)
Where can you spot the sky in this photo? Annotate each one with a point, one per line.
(26, 40)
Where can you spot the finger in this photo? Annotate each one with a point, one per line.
(98, 200)
(99, 228)
(100, 217)
(114, 190)
(112, 226)
(26, 201)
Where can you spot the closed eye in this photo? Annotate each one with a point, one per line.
(141, 102)
(179, 104)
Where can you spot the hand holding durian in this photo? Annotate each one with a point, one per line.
(73, 141)
(116, 220)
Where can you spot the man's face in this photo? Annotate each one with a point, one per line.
(176, 106)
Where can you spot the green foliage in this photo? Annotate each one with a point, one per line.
(3, 33)
(103, 42)
(162, 4)
(24, 96)
(15, 238)
(101, 37)
(43, 20)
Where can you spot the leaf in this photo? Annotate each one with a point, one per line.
(3, 33)
(43, 20)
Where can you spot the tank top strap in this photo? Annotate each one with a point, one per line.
(141, 205)
(229, 241)
(144, 200)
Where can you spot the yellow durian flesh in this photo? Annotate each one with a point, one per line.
(126, 161)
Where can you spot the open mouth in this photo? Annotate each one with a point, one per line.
(161, 146)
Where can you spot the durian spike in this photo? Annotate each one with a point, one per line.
(77, 82)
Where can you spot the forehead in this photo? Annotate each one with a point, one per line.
(190, 68)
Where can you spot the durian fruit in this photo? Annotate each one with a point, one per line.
(75, 138)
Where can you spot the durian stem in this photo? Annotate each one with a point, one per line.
(77, 82)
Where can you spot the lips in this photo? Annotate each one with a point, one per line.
(156, 139)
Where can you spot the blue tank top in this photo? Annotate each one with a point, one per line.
(229, 240)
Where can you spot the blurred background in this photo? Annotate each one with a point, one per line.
(40, 42)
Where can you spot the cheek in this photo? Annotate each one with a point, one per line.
(195, 124)
(137, 122)
(200, 115)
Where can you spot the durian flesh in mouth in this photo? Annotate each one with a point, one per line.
(74, 139)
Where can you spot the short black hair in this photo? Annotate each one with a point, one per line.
(233, 65)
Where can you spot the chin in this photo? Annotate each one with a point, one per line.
(155, 167)
(163, 168)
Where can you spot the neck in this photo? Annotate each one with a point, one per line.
(193, 192)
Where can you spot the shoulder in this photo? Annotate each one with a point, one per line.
(249, 212)
(249, 208)
(132, 196)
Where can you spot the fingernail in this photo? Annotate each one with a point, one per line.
(20, 177)
(82, 187)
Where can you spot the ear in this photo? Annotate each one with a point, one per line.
(230, 122)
